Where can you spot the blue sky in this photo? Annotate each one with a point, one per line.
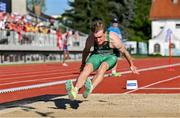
(56, 7)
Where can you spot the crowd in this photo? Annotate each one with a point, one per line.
(25, 23)
(29, 30)
(22, 24)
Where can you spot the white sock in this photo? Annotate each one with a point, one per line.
(76, 89)
(113, 71)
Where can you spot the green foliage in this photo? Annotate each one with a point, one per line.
(141, 24)
(124, 10)
(155, 55)
(84, 11)
(133, 15)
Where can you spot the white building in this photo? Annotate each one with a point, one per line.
(165, 16)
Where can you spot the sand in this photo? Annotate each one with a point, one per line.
(96, 105)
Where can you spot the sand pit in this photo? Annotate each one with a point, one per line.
(97, 105)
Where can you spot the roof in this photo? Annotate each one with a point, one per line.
(165, 9)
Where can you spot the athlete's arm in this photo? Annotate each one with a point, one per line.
(116, 43)
(86, 50)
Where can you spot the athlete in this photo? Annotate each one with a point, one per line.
(100, 60)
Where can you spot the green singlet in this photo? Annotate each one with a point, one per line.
(102, 54)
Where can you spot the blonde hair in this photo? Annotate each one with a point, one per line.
(97, 25)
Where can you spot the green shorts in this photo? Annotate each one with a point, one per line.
(97, 59)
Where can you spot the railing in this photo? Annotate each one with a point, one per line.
(35, 47)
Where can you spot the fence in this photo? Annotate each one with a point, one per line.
(35, 47)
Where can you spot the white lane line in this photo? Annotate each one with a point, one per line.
(51, 78)
(31, 74)
(158, 82)
(63, 81)
(35, 76)
(31, 86)
(159, 88)
(36, 80)
(153, 68)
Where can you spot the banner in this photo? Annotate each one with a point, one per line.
(168, 35)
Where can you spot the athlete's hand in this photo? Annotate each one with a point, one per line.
(134, 69)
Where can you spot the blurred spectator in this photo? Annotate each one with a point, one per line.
(76, 35)
(19, 31)
(115, 27)
(76, 38)
(65, 47)
(59, 38)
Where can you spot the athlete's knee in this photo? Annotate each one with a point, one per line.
(103, 67)
(88, 68)
(101, 72)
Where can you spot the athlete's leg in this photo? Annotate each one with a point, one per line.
(68, 57)
(64, 57)
(73, 90)
(96, 80)
(88, 69)
(93, 63)
(107, 62)
(114, 69)
(100, 74)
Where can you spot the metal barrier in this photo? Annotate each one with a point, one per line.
(35, 47)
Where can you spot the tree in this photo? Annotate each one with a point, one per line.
(133, 15)
(124, 10)
(140, 28)
(82, 13)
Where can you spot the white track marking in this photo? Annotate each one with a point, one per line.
(153, 68)
(37, 75)
(154, 83)
(31, 74)
(63, 81)
(54, 72)
(45, 78)
(51, 78)
(31, 86)
(159, 88)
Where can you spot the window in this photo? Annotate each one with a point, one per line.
(172, 46)
(157, 48)
(177, 26)
(161, 27)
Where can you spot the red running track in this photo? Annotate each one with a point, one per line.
(30, 80)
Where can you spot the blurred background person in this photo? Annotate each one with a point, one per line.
(65, 48)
